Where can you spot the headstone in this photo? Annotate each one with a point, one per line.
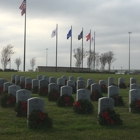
(133, 94)
(22, 95)
(39, 77)
(112, 90)
(80, 84)
(60, 81)
(110, 81)
(13, 89)
(133, 81)
(95, 86)
(102, 82)
(66, 90)
(6, 85)
(120, 81)
(28, 83)
(53, 86)
(2, 81)
(52, 80)
(89, 82)
(35, 83)
(105, 103)
(134, 86)
(83, 94)
(80, 78)
(65, 79)
(43, 83)
(13, 78)
(46, 78)
(35, 103)
(17, 79)
(22, 79)
(70, 83)
(72, 78)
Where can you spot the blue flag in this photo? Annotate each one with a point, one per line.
(69, 34)
(80, 35)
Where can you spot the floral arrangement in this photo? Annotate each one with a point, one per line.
(21, 109)
(95, 95)
(39, 119)
(122, 85)
(35, 89)
(103, 88)
(43, 91)
(65, 101)
(53, 95)
(29, 86)
(83, 107)
(1, 89)
(8, 100)
(118, 101)
(109, 117)
(22, 85)
(135, 106)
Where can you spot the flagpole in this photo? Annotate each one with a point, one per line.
(90, 49)
(82, 48)
(56, 43)
(94, 50)
(25, 38)
(71, 50)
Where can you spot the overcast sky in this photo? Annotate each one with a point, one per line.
(110, 19)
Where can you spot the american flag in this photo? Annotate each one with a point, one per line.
(23, 7)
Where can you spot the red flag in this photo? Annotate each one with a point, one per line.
(88, 37)
(23, 7)
(8, 60)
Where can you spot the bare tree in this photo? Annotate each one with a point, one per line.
(78, 56)
(5, 55)
(18, 63)
(103, 60)
(32, 62)
(110, 59)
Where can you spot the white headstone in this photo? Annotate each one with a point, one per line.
(46, 78)
(80, 78)
(52, 80)
(89, 82)
(80, 84)
(105, 103)
(120, 81)
(6, 85)
(17, 79)
(66, 90)
(72, 78)
(112, 90)
(13, 78)
(95, 86)
(133, 81)
(102, 82)
(110, 81)
(134, 86)
(61, 81)
(43, 83)
(39, 77)
(53, 86)
(13, 89)
(22, 95)
(35, 82)
(83, 94)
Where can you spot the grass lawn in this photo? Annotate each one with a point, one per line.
(66, 124)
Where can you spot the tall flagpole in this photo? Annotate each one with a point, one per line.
(82, 48)
(25, 38)
(90, 49)
(71, 50)
(56, 44)
(94, 50)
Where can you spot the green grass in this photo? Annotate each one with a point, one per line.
(66, 124)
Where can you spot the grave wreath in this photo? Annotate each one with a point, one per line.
(135, 106)
(35, 89)
(65, 101)
(53, 95)
(8, 100)
(109, 117)
(122, 86)
(95, 95)
(83, 107)
(21, 109)
(39, 119)
(103, 88)
(118, 101)
(43, 91)
(29, 86)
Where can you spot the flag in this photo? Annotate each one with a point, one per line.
(88, 37)
(8, 60)
(23, 7)
(80, 35)
(53, 33)
(69, 34)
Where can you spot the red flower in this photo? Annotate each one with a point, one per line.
(24, 106)
(11, 100)
(77, 104)
(42, 115)
(66, 99)
(107, 117)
